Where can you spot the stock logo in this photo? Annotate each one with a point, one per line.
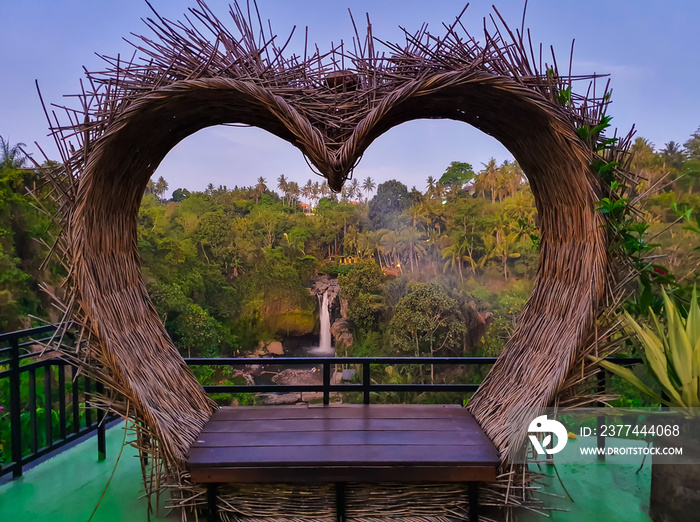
(544, 425)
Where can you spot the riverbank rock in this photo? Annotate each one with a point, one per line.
(298, 377)
(275, 348)
(324, 284)
(340, 330)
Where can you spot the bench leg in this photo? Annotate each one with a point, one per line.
(474, 502)
(212, 509)
(340, 502)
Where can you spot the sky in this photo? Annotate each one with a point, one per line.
(649, 47)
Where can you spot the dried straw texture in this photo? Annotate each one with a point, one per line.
(433, 502)
(330, 106)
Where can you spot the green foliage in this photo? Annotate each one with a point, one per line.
(629, 241)
(366, 310)
(22, 228)
(692, 146)
(371, 344)
(427, 321)
(229, 267)
(505, 307)
(457, 174)
(672, 355)
(42, 401)
(365, 277)
(180, 195)
(592, 134)
(362, 286)
(391, 199)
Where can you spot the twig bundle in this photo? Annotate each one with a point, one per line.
(331, 106)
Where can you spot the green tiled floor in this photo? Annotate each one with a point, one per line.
(67, 488)
(600, 491)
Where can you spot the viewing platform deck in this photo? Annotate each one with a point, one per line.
(343, 443)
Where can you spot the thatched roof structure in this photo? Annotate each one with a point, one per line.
(331, 106)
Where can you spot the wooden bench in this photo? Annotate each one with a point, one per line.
(340, 444)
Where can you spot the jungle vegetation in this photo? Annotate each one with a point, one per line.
(228, 267)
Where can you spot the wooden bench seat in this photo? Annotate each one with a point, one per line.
(340, 444)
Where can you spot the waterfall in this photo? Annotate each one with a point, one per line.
(325, 337)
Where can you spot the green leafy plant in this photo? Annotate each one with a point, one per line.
(671, 352)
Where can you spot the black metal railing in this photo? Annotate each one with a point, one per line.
(366, 386)
(35, 387)
(49, 402)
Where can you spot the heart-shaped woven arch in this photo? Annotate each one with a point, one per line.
(136, 113)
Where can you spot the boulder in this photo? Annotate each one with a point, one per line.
(298, 377)
(340, 330)
(275, 348)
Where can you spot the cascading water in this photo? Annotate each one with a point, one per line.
(324, 344)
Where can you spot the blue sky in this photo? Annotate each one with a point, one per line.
(650, 48)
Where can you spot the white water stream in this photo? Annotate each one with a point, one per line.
(324, 344)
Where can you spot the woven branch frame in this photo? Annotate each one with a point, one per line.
(134, 113)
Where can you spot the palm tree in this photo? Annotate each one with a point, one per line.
(282, 184)
(355, 190)
(439, 190)
(368, 244)
(412, 241)
(505, 239)
(161, 187)
(488, 179)
(511, 178)
(455, 254)
(294, 191)
(325, 189)
(308, 190)
(430, 185)
(368, 186)
(673, 155)
(315, 191)
(11, 157)
(417, 213)
(351, 241)
(260, 188)
(389, 244)
(521, 207)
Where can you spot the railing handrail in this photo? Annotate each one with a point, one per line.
(237, 361)
(29, 332)
(366, 387)
(12, 357)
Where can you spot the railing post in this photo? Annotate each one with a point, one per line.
(365, 382)
(326, 383)
(340, 502)
(33, 429)
(600, 443)
(212, 508)
(47, 404)
(62, 399)
(473, 501)
(15, 415)
(101, 435)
